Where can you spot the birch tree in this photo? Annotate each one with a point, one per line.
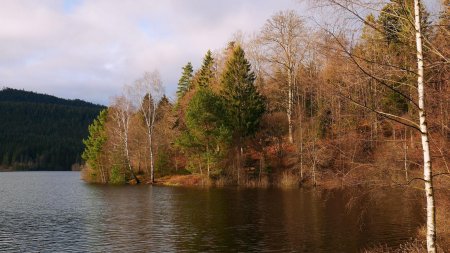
(415, 23)
(282, 41)
(121, 115)
(147, 91)
(427, 168)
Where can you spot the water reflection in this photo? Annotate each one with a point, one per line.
(48, 212)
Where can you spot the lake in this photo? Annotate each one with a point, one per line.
(57, 212)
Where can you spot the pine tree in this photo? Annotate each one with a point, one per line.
(94, 145)
(184, 84)
(244, 103)
(206, 73)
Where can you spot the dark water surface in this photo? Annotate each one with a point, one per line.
(57, 212)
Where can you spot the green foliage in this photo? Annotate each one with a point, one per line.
(245, 106)
(164, 106)
(185, 82)
(5, 160)
(396, 20)
(394, 103)
(42, 132)
(390, 19)
(206, 73)
(162, 163)
(207, 134)
(192, 166)
(95, 141)
(116, 176)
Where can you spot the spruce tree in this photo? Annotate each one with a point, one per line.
(206, 73)
(184, 84)
(245, 105)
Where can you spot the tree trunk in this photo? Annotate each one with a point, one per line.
(207, 159)
(127, 154)
(261, 164)
(152, 164)
(427, 168)
(289, 109)
(150, 148)
(314, 163)
(102, 173)
(301, 154)
(405, 153)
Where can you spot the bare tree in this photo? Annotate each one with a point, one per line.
(427, 169)
(147, 91)
(121, 115)
(282, 40)
(351, 7)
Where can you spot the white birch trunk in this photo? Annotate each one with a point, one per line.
(122, 117)
(152, 166)
(150, 121)
(125, 128)
(149, 87)
(290, 104)
(427, 168)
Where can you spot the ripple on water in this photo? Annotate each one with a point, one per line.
(56, 212)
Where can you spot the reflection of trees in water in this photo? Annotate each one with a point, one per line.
(384, 212)
(255, 220)
(130, 219)
(217, 219)
(165, 219)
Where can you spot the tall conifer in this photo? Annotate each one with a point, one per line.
(206, 74)
(245, 105)
(184, 84)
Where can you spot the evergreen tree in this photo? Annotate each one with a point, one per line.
(42, 132)
(184, 84)
(245, 106)
(206, 73)
(94, 143)
(164, 106)
(163, 102)
(206, 129)
(395, 19)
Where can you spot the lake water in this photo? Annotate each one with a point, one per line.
(57, 212)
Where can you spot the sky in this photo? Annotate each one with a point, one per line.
(88, 49)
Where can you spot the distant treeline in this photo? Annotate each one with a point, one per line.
(42, 132)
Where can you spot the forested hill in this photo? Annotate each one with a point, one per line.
(42, 132)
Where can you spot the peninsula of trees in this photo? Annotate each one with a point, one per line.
(42, 132)
(291, 101)
(295, 104)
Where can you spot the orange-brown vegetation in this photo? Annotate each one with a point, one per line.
(344, 114)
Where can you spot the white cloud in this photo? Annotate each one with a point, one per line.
(88, 49)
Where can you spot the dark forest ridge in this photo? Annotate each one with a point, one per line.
(15, 95)
(40, 131)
